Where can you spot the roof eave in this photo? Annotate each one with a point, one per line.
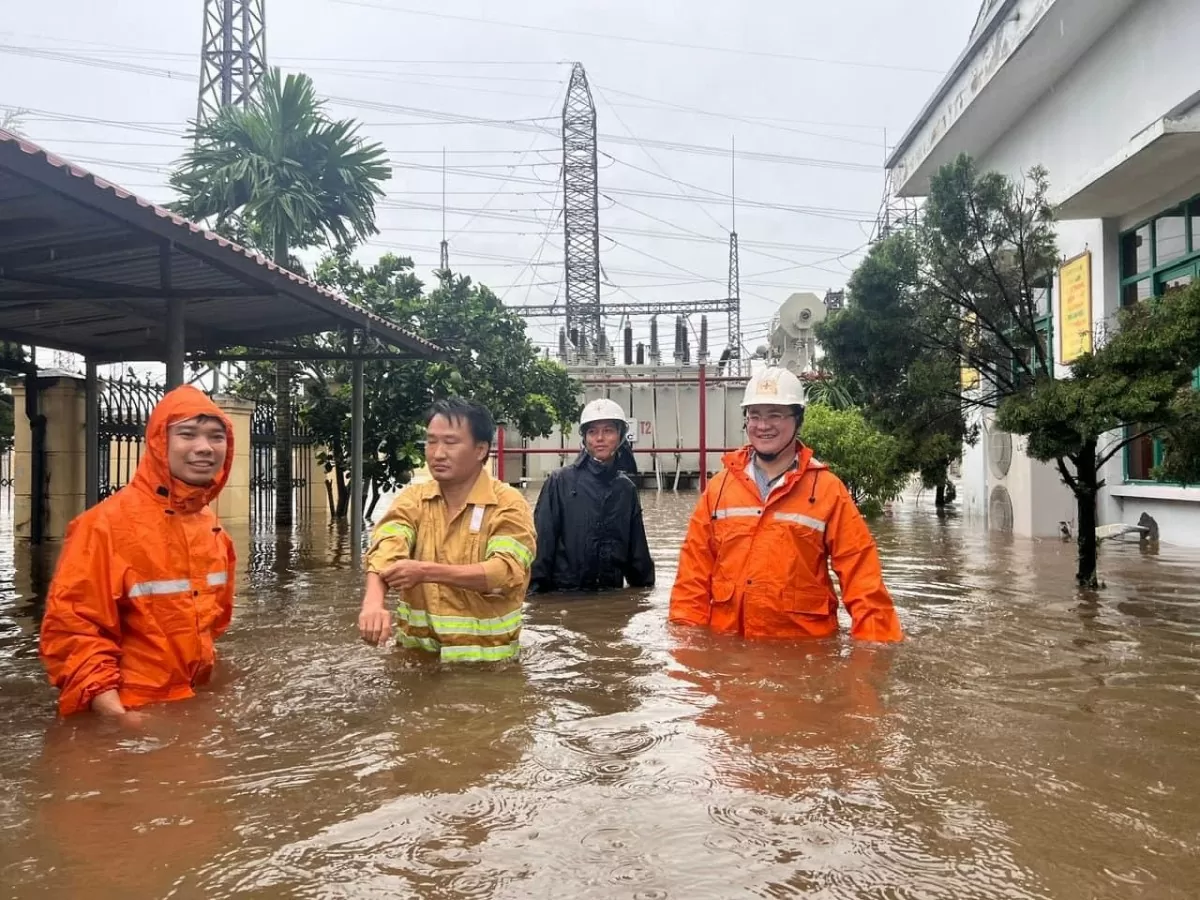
(956, 71)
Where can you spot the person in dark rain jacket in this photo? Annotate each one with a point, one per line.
(590, 535)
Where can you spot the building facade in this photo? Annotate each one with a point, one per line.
(1105, 94)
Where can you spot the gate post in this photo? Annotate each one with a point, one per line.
(92, 435)
(233, 504)
(61, 402)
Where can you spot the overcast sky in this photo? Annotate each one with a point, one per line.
(808, 90)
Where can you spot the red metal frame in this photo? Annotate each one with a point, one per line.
(574, 451)
(702, 380)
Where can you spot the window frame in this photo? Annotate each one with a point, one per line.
(1155, 276)
(1044, 328)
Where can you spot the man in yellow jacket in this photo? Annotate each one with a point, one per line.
(458, 549)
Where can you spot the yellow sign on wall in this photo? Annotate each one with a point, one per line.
(1075, 308)
(969, 378)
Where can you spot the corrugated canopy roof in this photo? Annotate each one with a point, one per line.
(87, 267)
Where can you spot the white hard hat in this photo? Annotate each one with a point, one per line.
(774, 386)
(602, 410)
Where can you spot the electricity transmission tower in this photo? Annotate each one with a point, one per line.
(233, 57)
(581, 213)
(735, 308)
(895, 212)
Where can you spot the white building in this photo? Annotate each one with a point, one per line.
(1106, 95)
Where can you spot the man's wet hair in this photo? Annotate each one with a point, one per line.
(456, 410)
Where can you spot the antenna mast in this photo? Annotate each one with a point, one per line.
(735, 287)
(444, 260)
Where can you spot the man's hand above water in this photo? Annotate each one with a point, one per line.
(374, 620)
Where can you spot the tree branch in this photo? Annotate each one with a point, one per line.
(1115, 448)
(1045, 365)
(1067, 477)
(959, 300)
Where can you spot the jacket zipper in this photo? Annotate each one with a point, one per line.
(758, 530)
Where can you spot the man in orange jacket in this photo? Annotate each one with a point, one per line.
(144, 585)
(756, 558)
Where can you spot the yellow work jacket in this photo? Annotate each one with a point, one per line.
(494, 529)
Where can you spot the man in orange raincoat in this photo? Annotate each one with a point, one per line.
(756, 558)
(144, 585)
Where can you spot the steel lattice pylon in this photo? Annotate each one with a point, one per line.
(581, 211)
(735, 310)
(233, 57)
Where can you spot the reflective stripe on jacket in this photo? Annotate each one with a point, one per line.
(590, 531)
(761, 568)
(495, 528)
(144, 585)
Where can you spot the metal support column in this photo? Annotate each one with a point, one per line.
(92, 435)
(37, 457)
(356, 465)
(175, 321)
(703, 427)
(500, 453)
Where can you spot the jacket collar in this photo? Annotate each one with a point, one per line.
(585, 462)
(482, 493)
(739, 463)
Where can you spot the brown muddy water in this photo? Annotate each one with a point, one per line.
(1025, 742)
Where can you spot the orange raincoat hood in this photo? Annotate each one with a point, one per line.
(153, 472)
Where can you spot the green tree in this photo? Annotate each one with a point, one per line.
(489, 358)
(867, 460)
(985, 254)
(280, 175)
(906, 387)
(1138, 383)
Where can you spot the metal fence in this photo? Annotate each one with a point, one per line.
(263, 443)
(125, 408)
(6, 478)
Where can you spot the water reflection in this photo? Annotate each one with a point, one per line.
(1026, 741)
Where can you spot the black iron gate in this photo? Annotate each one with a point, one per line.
(125, 408)
(263, 442)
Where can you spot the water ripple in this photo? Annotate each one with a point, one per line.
(1027, 742)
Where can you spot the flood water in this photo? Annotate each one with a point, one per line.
(1024, 742)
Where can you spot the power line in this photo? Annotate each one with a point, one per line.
(649, 156)
(773, 122)
(758, 121)
(712, 197)
(527, 124)
(640, 232)
(764, 54)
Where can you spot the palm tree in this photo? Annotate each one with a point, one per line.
(836, 393)
(280, 175)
